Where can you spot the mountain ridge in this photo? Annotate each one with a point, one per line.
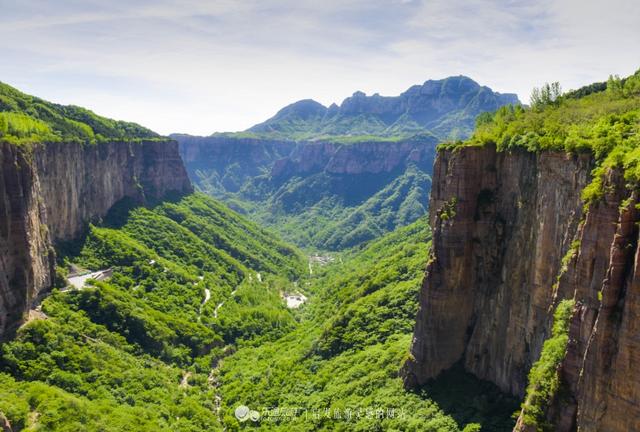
(421, 108)
(332, 158)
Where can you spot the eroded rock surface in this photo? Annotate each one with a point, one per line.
(502, 224)
(49, 192)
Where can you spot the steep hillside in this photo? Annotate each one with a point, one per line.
(28, 119)
(191, 324)
(554, 324)
(63, 167)
(191, 281)
(446, 108)
(321, 195)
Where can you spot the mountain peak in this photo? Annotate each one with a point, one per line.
(427, 108)
(303, 108)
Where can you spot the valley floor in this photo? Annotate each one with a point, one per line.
(192, 325)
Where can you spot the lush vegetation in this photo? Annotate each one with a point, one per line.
(135, 352)
(28, 119)
(332, 212)
(544, 380)
(143, 350)
(339, 370)
(604, 121)
(319, 210)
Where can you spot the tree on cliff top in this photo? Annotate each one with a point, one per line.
(546, 95)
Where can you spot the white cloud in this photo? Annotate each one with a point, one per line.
(198, 67)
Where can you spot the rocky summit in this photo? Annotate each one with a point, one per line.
(446, 108)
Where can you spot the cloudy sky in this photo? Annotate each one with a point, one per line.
(200, 66)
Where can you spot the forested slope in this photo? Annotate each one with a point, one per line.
(135, 352)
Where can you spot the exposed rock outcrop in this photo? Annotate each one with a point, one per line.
(234, 161)
(26, 257)
(600, 384)
(502, 223)
(220, 163)
(49, 192)
(373, 157)
(80, 183)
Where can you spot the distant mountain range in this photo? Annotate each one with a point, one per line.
(446, 108)
(334, 177)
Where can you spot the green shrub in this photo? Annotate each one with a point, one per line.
(544, 379)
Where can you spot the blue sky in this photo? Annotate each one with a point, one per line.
(204, 66)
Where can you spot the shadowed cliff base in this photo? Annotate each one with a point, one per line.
(470, 400)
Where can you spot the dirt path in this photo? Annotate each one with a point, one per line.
(214, 383)
(185, 380)
(207, 297)
(219, 305)
(215, 311)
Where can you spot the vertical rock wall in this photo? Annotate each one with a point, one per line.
(26, 257)
(502, 224)
(49, 192)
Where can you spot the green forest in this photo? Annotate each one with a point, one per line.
(314, 213)
(27, 119)
(135, 352)
(143, 350)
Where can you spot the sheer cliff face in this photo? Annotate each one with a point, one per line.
(80, 183)
(26, 260)
(352, 159)
(502, 224)
(50, 193)
(234, 161)
(599, 372)
(219, 164)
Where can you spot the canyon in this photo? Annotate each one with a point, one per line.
(339, 194)
(529, 293)
(330, 178)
